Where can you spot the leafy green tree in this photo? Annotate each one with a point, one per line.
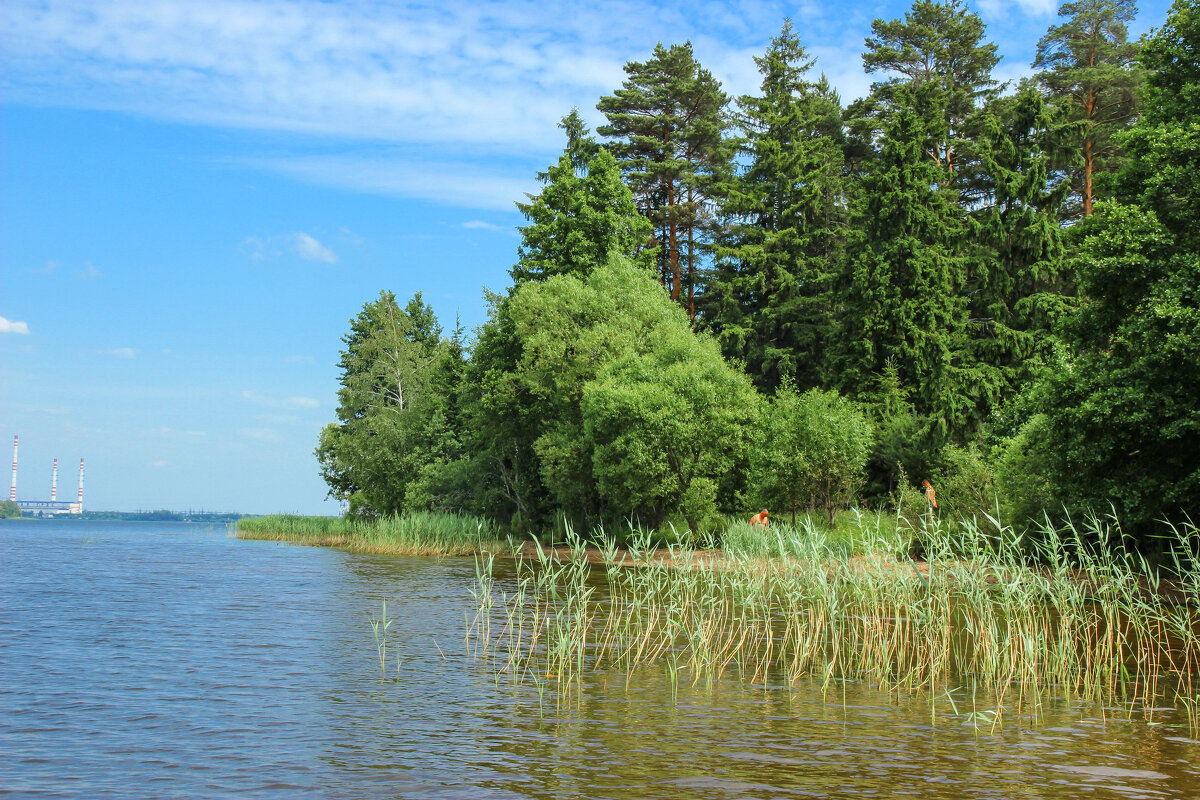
(1087, 69)
(668, 423)
(502, 424)
(901, 298)
(9, 510)
(378, 445)
(780, 244)
(667, 125)
(1121, 422)
(814, 451)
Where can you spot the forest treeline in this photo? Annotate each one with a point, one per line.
(778, 300)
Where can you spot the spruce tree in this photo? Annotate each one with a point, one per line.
(779, 247)
(901, 296)
(667, 125)
(1017, 280)
(583, 214)
(1087, 69)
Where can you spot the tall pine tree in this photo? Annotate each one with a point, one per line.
(1087, 68)
(936, 53)
(667, 123)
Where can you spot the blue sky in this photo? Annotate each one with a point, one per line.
(196, 197)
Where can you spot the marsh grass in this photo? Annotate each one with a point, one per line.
(417, 533)
(1021, 622)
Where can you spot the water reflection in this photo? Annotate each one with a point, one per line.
(152, 660)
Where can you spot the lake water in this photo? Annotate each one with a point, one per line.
(156, 660)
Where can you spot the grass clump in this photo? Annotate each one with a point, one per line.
(417, 533)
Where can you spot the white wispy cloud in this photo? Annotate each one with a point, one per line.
(9, 326)
(120, 352)
(258, 434)
(473, 85)
(310, 249)
(478, 224)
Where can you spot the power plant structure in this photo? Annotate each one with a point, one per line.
(53, 506)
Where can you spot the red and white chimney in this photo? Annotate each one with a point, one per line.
(12, 493)
(54, 483)
(81, 484)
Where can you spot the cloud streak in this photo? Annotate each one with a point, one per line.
(9, 326)
(310, 249)
(456, 92)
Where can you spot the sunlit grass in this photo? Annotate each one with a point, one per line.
(410, 534)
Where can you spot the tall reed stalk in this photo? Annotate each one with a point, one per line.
(1063, 614)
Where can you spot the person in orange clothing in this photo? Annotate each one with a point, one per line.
(930, 495)
(760, 519)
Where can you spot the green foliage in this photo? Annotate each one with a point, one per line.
(898, 435)
(9, 510)
(936, 52)
(965, 484)
(1124, 423)
(578, 220)
(667, 125)
(393, 418)
(814, 451)
(769, 299)
(1026, 478)
(668, 425)
(902, 296)
(1087, 65)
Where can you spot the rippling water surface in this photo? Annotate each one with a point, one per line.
(152, 660)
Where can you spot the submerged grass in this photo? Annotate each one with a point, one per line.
(1020, 622)
(417, 533)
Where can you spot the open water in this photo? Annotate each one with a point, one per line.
(163, 660)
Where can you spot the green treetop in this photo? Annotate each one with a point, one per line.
(780, 244)
(667, 125)
(937, 54)
(1087, 69)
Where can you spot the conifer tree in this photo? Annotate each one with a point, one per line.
(1087, 68)
(667, 123)
(938, 55)
(583, 214)
(779, 248)
(1017, 281)
(902, 298)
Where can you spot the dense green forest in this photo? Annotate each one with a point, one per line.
(779, 300)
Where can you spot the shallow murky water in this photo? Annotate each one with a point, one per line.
(148, 660)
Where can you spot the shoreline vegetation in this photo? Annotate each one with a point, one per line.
(415, 534)
(928, 606)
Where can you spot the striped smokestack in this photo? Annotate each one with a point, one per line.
(12, 493)
(54, 483)
(81, 484)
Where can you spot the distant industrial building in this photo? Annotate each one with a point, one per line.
(53, 506)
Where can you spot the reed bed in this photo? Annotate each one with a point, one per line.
(1065, 614)
(410, 534)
